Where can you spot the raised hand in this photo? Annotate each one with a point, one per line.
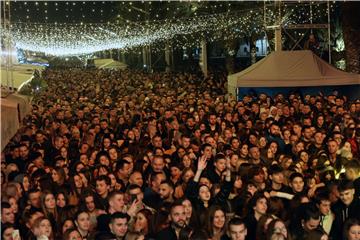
(311, 192)
(228, 163)
(202, 163)
(134, 208)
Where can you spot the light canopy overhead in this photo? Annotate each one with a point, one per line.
(64, 39)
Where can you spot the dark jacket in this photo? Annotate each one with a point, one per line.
(167, 234)
(152, 198)
(357, 187)
(105, 236)
(342, 213)
(251, 224)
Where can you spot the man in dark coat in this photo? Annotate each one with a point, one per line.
(177, 222)
(118, 227)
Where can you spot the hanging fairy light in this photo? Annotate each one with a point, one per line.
(76, 39)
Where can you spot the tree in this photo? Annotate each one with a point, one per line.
(351, 33)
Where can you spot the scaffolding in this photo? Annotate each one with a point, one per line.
(279, 28)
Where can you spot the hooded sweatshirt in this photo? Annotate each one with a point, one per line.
(342, 213)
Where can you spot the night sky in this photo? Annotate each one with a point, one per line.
(116, 11)
(61, 11)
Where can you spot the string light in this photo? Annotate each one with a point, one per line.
(75, 39)
(85, 38)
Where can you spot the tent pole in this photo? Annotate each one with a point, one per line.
(329, 31)
(203, 57)
(278, 43)
(265, 28)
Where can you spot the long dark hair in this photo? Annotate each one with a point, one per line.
(148, 215)
(65, 194)
(211, 215)
(159, 221)
(260, 227)
(85, 194)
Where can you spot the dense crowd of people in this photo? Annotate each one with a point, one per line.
(108, 154)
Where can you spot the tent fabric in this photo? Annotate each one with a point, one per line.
(108, 63)
(291, 69)
(14, 107)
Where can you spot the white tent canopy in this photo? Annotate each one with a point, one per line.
(291, 69)
(110, 64)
